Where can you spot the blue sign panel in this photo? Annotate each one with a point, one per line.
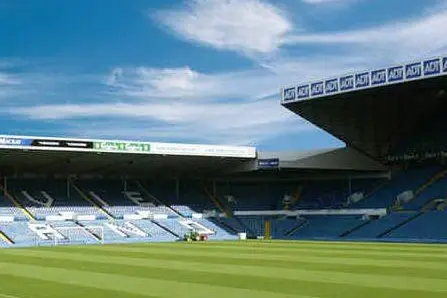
(303, 91)
(346, 83)
(413, 71)
(432, 67)
(317, 89)
(331, 86)
(362, 80)
(378, 77)
(289, 94)
(15, 141)
(395, 74)
(268, 163)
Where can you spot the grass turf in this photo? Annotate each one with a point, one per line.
(226, 269)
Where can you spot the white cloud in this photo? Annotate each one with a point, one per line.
(184, 83)
(235, 123)
(7, 79)
(326, 1)
(241, 25)
(402, 40)
(153, 83)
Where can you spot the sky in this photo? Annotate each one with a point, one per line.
(194, 71)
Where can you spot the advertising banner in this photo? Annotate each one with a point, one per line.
(268, 163)
(367, 79)
(12, 141)
(289, 94)
(432, 67)
(54, 143)
(202, 150)
(123, 146)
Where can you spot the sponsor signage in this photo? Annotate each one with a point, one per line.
(37, 143)
(289, 94)
(416, 156)
(374, 78)
(395, 74)
(303, 91)
(331, 86)
(413, 71)
(317, 89)
(432, 67)
(346, 83)
(202, 150)
(378, 77)
(362, 80)
(53, 143)
(268, 163)
(122, 146)
(7, 141)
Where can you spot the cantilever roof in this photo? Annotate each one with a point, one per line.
(374, 111)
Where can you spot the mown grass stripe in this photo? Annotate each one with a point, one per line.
(9, 296)
(266, 246)
(271, 284)
(33, 288)
(275, 255)
(270, 260)
(133, 285)
(300, 243)
(370, 280)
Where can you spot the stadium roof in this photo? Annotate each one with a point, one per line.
(373, 111)
(338, 159)
(25, 154)
(62, 156)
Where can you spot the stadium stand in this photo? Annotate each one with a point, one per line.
(388, 184)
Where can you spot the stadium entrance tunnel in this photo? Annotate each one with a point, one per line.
(379, 120)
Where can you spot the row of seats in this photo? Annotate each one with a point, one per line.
(403, 226)
(91, 232)
(249, 196)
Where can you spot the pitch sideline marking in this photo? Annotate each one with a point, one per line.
(9, 296)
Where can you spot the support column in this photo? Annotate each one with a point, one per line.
(350, 186)
(177, 190)
(214, 188)
(125, 183)
(68, 187)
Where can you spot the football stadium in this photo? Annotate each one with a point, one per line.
(111, 218)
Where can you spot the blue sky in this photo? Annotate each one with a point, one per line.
(200, 71)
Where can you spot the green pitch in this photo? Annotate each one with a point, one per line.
(226, 270)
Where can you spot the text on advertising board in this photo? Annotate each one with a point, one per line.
(432, 67)
(317, 88)
(413, 71)
(289, 94)
(378, 77)
(268, 163)
(362, 80)
(62, 144)
(374, 78)
(331, 86)
(303, 91)
(14, 141)
(122, 146)
(395, 74)
(346, 83)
